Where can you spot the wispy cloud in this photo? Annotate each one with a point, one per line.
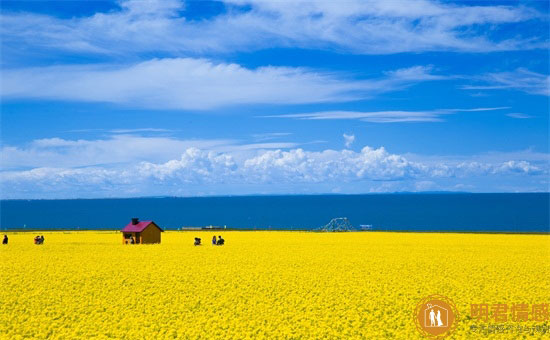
(188, 83)
(270, 135)
(519, 115)
(383, 116)
(138, 130)
(116, 150)
(520, 79)
(366, 27)
(122, 130)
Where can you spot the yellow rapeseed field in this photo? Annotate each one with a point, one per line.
(87, 285)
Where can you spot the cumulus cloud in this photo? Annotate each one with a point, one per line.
(518, 167)
(239, 166)
(329, 165)
(366, 27)
(520, 79)
(187, 83)
(268, 166)
(194, 166)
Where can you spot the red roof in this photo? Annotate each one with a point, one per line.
(139, 227)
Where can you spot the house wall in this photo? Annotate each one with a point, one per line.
(151, 234)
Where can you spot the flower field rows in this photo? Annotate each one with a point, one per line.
(88, 285)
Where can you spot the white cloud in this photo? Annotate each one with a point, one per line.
(519, 115)
(487, 157)
(187, 83)
(115, 150)
(62, 168)
(367, 27)
(348, 140)
(519, 167)
(194, 166)
(383, 116)
(329, 165)
(270, 135)
(126, 131)
(520, 79)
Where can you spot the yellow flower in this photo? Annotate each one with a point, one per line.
(260, 285)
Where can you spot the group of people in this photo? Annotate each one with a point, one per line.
(215, 242)
(37, 239)
(219, 242)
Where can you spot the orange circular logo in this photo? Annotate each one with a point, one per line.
(436, 316)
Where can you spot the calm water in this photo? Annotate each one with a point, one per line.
(460, 212)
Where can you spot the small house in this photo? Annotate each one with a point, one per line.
(142, 232)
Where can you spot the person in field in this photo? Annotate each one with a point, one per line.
(214, 241)
(197, 241)
(221, 241)
(5, 240)
(42, 239)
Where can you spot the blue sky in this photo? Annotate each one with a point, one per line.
(187, 98)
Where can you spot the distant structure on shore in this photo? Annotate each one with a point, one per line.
(210, 227)
(142, 232)
(337, 224)
(365, 227)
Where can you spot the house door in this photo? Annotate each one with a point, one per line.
(138, 238)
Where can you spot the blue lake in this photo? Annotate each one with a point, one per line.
(415, 212)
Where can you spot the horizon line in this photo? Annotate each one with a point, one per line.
(284, 195)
